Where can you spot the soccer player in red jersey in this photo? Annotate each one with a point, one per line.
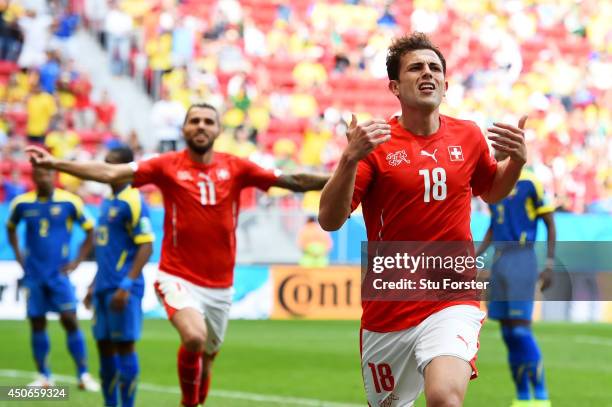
(414, 176)
(201, 191)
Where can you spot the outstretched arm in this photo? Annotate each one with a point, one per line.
(335, 206)
(302, 182)
(509, 141)
(90, 170)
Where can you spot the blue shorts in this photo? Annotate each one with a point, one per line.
(55, 294)
(107, 324)
(512, 286)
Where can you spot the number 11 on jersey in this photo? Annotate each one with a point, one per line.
(207, 193)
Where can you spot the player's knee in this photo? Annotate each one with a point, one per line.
(444, 398)
(106, 348)
(38, 324)
(69, 321)
(125, 348)
(194, 341)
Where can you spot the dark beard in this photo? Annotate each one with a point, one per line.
(199, 149)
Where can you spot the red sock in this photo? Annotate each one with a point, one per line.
(190, 372)
(204, 386)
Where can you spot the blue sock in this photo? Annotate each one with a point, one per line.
(109, 375)
(128, 377)
(40, 349)
(526, 360)
(520, 374)
(537, 381)
(76, 346)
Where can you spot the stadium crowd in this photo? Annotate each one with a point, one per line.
(285, 75)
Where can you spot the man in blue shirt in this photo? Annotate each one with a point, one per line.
(50, 72)
(514, 275)
(124, 243)
(49, 214)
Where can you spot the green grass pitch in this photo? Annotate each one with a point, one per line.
(316, 363)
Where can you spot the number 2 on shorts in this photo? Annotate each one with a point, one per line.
(382, 377)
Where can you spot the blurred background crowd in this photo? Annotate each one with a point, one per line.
(286, 75)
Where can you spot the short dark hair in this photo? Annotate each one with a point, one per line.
(124, 154)
(201, 105)
(405, 44)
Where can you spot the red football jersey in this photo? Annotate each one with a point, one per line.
(419, 189)
(201, 205)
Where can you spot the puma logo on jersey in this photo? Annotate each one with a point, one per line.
(184, 176)
(395, 159)
(431, 155)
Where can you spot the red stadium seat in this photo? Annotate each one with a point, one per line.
(7, 68)
(90, 136)
(287, 126)
(18, 119)
(264, 14)
(25, 168)
(6, 167)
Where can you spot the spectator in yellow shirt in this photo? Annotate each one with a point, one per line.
(62, 141)
(309, 73)
(41, 107)
(19, 87)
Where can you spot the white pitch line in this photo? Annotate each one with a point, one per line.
(236, 395)
(593, 340)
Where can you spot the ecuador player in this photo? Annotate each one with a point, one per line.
(512, 231)
(49, 215)
(123, 246)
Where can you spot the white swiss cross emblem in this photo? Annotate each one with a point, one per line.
(395, 159)
(223, 174)
(456, 154)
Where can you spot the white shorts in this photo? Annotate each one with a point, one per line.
(392, 363)
(214, 303)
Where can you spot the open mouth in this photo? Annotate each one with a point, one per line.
(427, 86)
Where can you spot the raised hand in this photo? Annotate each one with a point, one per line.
(40, 157)
(510, 140)
(546, 278)
(119, 300)
(363, 138)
